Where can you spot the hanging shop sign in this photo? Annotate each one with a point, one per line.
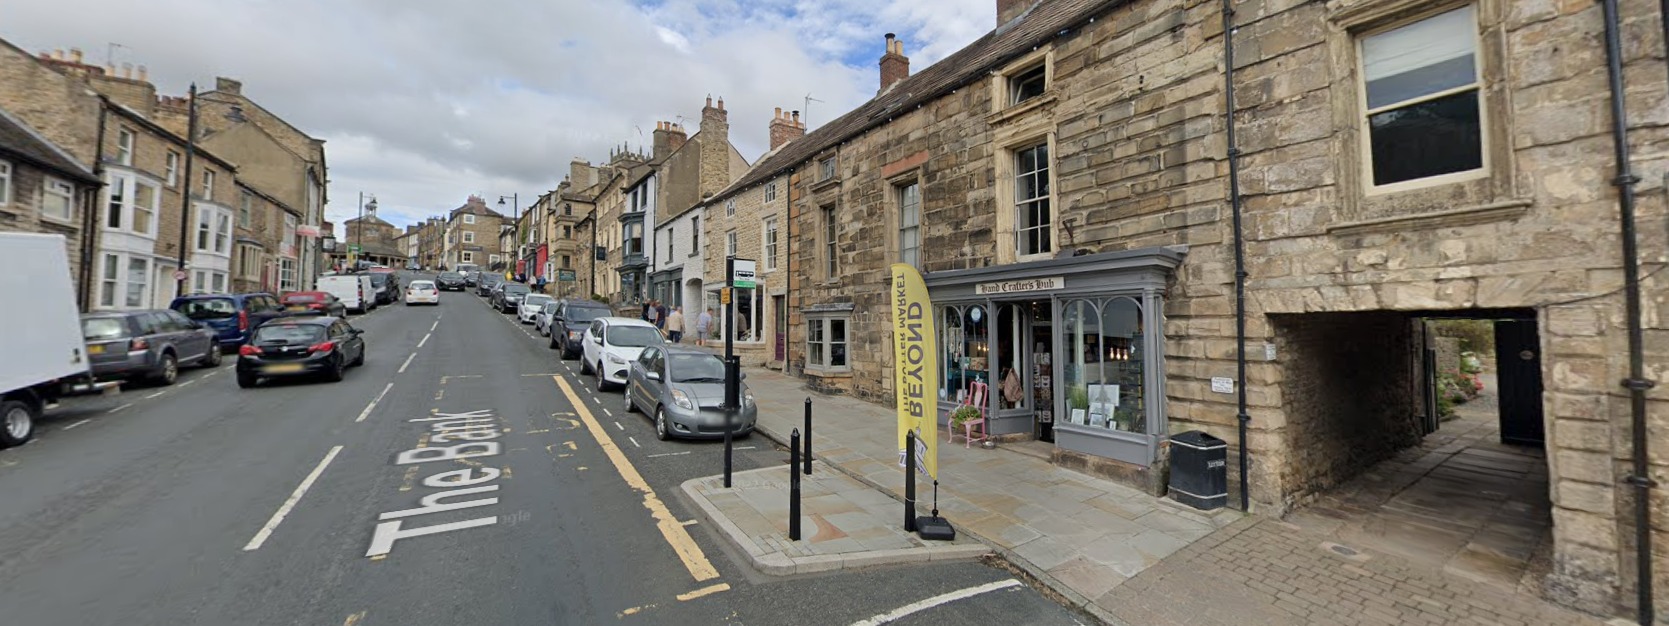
(915, 369)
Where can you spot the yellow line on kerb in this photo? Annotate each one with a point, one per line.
(694, 560)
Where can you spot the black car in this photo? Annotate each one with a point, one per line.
(509, 297)
(485, 284)
(324, 346)
(569, 322)
(387, 286)
(450, 281)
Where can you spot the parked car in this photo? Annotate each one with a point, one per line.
(313, 303)
(542, 319)
(569, 322)
(485, 283)
(613, 342)
(422, 292)
(470, 271)
(509, 296)
(355, 291)
(387, 287)
(40, 333)
(530, 305)
(231, 316)
(147, 345)
(325, 346)
(450, 281)
(682, 389)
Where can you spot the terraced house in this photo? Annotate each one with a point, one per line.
(1066, 185)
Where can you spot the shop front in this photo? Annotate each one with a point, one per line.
(1064, 350)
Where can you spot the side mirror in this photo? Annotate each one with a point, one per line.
(655, 376)
(356, 332)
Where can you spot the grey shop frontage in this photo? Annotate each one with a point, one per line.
(1067, 350)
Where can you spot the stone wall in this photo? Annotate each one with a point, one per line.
(21, 213)
(57, 106)
(749, 222)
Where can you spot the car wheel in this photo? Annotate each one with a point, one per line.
(336, 370)
(553, 343)
(359, 360)
(17, 423)
(246, 380)
(168, 372)
(662, 432)
(585, 367)
(213, 358)
(627, 394)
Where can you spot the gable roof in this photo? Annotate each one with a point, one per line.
(1047, 20)
(20, 141)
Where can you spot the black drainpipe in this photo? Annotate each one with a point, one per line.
(89, 218)
(1636, 383)
(1239, 246)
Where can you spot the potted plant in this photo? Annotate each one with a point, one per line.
(962, 414)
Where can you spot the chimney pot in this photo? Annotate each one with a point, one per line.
(75, 55)
(58, 54)
(144, 74)
(894, 65)
(721, 104)
(127, 70)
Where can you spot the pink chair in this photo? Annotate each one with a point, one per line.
(976, 398)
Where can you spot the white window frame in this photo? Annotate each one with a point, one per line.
(117, 289)
(208, 185)
(61, 190)
(908, 254)
(820, 332)
(286, 275)
(730, 243)
(1014, 83)
(205, 226)
(1047, 169)
(121, 202)
(730, 208)
(110, 279)
(246, 209)
(771, 191)
(172, 169)
(827, 168)
(1364, 124)
(124, 146)
(154, 211)
(770, 242)
(223, 233)
(695, 235)
(469, 218)
(5, 183)
(830, 243)
(137, 295)
(466, 257)
(469, 236)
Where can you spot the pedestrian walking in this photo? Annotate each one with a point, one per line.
(675, 325)
(703, 323)
(660, 315)
(652, 313)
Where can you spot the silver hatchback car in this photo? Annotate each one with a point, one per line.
(683, 391)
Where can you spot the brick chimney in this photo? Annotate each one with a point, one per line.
(227, 85)
(894, 65)
(785, 128)
(668, 138)
(1007, 10)
(715, 148)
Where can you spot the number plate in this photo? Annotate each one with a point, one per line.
(95, 349)
(287, 368)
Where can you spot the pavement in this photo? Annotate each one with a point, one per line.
(1125, 557)
(361, 502)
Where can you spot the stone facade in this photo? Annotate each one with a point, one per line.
(750, 215)
(473, 234)
(45, 190)
(1132, 115)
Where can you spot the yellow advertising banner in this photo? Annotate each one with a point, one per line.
(915, 371)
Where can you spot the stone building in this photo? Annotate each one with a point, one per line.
(685, 171)
(45, 190)
(1064, 184)
(749, 222)
(378, 240)
(579, 193)
(559, 248)
(264, 225)
(472, 234)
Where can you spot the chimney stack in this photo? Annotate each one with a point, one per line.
(75, 55)
(715, 149)
(1007, 10)
(668, 138)
(785, 129)
(228, 85)
(894, 65)
(144, 74)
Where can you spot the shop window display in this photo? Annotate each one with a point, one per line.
(965, 350)
(1103, 366)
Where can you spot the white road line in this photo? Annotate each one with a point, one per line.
(743, 448)
(119, 408)
(77, 424)
(278, 517)
(424, 340)
(656, 456)
(403, 366)
(944, 598)
(608, 412)
(367, 412)
(187, 383)
(634, 442)
(435, 325)
(155, 395)
(617, 425)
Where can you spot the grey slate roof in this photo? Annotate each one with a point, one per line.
(19, 141)
(1043, 22)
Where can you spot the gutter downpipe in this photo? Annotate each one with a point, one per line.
(1243, 417)
(89, 217)
(1636, 383)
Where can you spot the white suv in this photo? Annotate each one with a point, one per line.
(611, 344)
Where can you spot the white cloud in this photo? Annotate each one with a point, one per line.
(426, 101)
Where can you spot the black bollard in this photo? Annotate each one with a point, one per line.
(794, 485)
(808, 435)
(910, 481)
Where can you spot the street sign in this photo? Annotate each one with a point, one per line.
(179, 274)
(353, 247)
(565, 276)
(741, 277)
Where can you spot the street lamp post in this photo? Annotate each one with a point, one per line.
(359, 230)
(185, 195)
(516, 227)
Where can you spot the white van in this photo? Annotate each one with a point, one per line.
(354, 290)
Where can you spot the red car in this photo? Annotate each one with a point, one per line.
(313, 303)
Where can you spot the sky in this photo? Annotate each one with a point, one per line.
(424, 102)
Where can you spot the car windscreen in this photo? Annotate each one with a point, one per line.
(289, 334)
(583, 314)
(303, 297)
(421, 284)
(378, 280)
(633, 336)
(515, 290)
(450, 276)
(208, 308)
(99, 328)
(537, 299)
(688, 368)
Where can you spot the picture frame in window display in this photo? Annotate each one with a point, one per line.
(1079, 417)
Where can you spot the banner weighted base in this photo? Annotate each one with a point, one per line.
(935, 528)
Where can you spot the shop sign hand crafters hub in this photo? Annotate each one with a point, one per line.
(1049, 283)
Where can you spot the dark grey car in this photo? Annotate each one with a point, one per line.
(571, 319)
(148, 345)
(509, 296)
(683, 391)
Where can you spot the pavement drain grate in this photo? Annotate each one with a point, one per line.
(1344, 550)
